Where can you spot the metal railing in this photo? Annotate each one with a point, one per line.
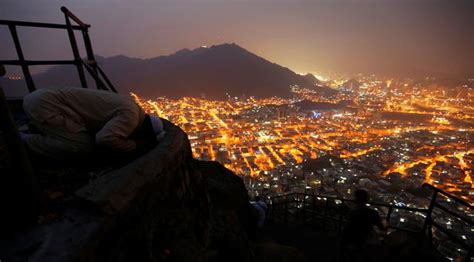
(436, 206)
(101, 80)
(307, 208)
(29, 190)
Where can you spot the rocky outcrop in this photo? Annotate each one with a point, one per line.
(232, 222)
(157, 207)
(163, 206)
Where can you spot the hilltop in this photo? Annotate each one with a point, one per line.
(212, 72)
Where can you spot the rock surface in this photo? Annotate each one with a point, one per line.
(163, 206)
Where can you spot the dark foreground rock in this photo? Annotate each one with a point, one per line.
(163, 206)
(232, 225)
(154, 208)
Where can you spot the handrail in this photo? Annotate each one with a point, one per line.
(451, 196)
(353, 200)
(288, 201)
(74, 17)
(107, 80)
(90, 64)
(37, 24)
(414, 209)
(463, 218)
(96, 74)
(74, 46)
(37, 62)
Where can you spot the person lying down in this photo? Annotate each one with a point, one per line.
(73, 122)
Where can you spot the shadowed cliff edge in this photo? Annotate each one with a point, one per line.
(163, 206)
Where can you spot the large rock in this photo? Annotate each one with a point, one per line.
(158, 203)
(164, 205)
(154, 208)
(232, 221)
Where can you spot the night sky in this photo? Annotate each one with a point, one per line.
(393, 37)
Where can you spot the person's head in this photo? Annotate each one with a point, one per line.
(151, 129)
(361, 196)
(257, 198)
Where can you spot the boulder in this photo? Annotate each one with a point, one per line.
(162, 206)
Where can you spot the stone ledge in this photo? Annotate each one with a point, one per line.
(114, 191)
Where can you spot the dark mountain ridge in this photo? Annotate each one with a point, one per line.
(212, 72)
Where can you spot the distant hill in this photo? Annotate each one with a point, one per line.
(352, 84)
(312, 79)
(213, 72)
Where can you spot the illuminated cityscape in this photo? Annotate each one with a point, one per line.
(387, 135)
(203, 130)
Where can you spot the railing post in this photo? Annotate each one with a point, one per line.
(91, 58)
(107, 80)
(326, 207)
(26, 71)
(427, 224)
(75, 51)
(341, 217)
(272, 210)
(304, 208)
(94, 73)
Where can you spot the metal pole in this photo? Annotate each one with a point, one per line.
(91, 58)
(304, 208)
(427, 224)
(109, 83)
(94, 75)
(75, 51)
(326, 211)
(341, 217)
(36, 24)
(26, 71)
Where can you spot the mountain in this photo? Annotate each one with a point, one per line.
(312, 79)
(213, 72)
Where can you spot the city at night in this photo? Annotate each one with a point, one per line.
(382, 129)
(235, 130)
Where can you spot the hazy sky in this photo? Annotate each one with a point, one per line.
(349, 36)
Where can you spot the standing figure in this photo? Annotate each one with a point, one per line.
(360, 230)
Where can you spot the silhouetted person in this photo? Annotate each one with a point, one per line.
(261, 211)
(72, 121)
(360, 229)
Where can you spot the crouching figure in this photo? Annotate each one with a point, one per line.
(72, 122)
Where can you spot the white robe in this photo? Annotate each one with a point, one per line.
(72, 119)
